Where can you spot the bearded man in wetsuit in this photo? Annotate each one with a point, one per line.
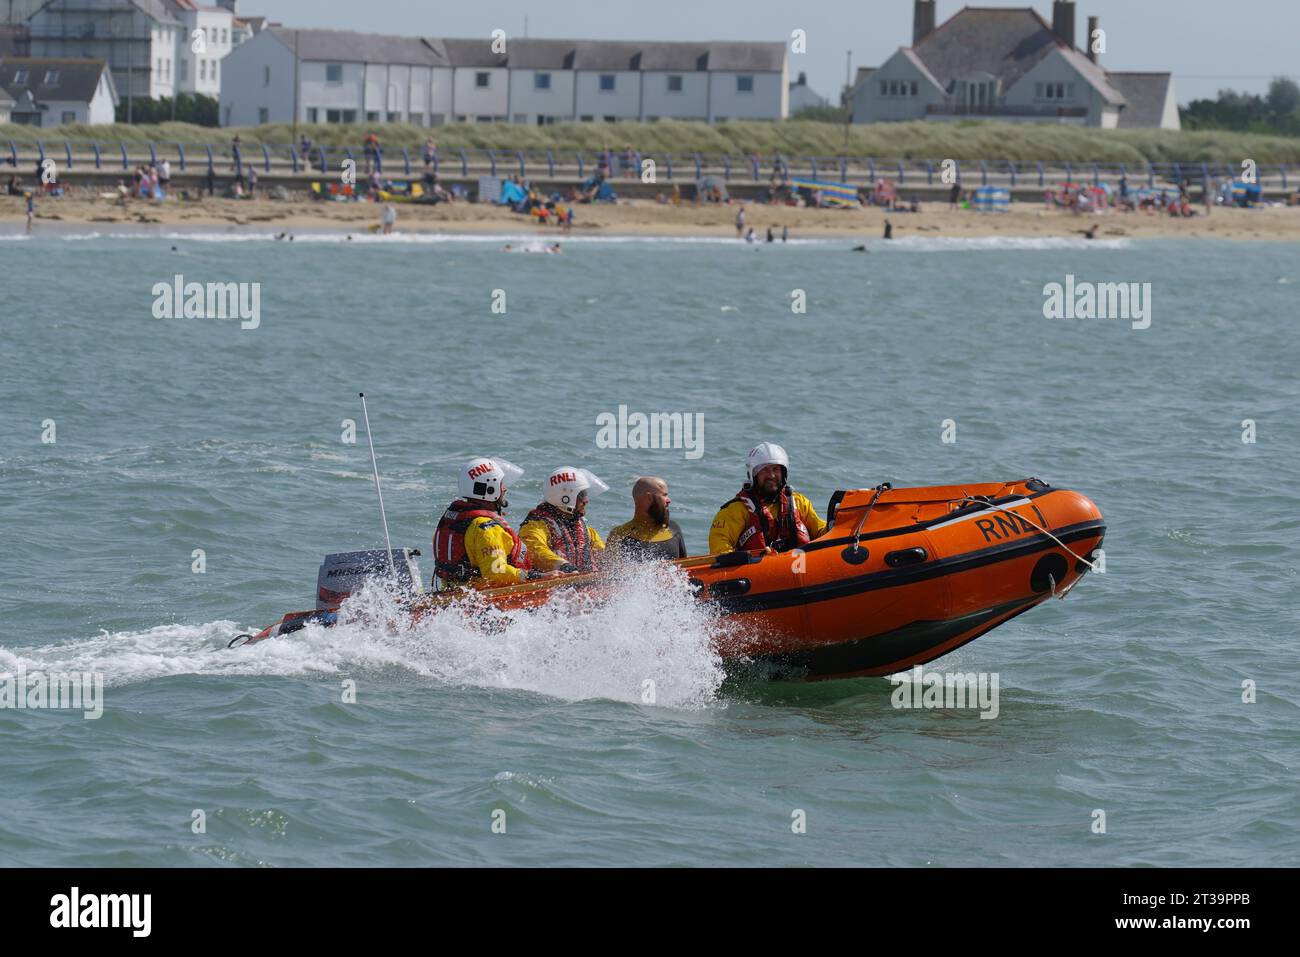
(651, 534)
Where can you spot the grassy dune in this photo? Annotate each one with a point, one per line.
(967, 140)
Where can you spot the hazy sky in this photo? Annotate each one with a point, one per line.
(1207, 44)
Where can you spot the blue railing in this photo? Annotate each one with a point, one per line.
(578, 165)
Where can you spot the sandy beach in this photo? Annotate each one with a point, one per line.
(644, 217)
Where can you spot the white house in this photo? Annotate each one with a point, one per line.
(335, 76)
(803, 96)
(138, 39)
(1011, 65)
(208, 34)
(50, 92)
(346, 77)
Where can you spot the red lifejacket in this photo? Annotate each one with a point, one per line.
(787, 531)
(450, 561)
(569, 537)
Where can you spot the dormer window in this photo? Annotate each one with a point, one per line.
(51, 77)
(20, 78)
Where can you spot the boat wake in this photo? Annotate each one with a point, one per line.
(648, 642)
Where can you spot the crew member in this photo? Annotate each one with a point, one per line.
(556, 532)
(651, 534)
(474, 545)
(767, 514)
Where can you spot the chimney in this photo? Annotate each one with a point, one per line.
(231, 5)
(1087, 41)
(803, 80)
(1063, 20)
(922, 20)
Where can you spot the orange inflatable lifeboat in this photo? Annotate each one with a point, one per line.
(899, 578)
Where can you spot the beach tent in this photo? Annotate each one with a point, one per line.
(1246, 194)
(991, 199)
(512, 194)
(832, 194)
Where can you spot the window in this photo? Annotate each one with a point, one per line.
(185, 69)
(266, 76)
(916, 88)
(585, 119)
(263, 115)
(674, 83)
(203, 69)
(482, 80)
(394, 117)
(744, 84)
(523, 118)
(158, 67)
(51, 77)
(610, 119)
(607, 82)
(216, 66)
(69, 116)
(484, 119)
(372, 116)
(212, 32)
(541, 81)
(313, 115)
(20, 78)
(333, 116)
(334, 73)
(225, 36)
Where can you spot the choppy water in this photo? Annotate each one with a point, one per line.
(176, 435)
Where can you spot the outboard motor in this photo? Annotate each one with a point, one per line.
(343, 573)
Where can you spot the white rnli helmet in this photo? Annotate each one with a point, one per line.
(765, 453)
(564, 484)
(484, 479)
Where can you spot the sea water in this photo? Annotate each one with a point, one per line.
(166, 484)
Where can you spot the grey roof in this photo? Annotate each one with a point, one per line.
(685, 57)
(77, 79)
(608, 55)
(1003, 42)
(924, 70)
(348, 46)
(759, 57)
(533, 53)
(474, 53)
(542, 54)
(157, 9)
(1145, 94)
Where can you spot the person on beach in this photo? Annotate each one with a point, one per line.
(651, 534)
(390, 219)
(252, 182)
(31, 210)
(430, 150)
(954, 196)
(766, 515)
(556, 532)
(164, 178)
(785, 234)
(473, 545)
(740, 222)
(771, 237)
(889, 230)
